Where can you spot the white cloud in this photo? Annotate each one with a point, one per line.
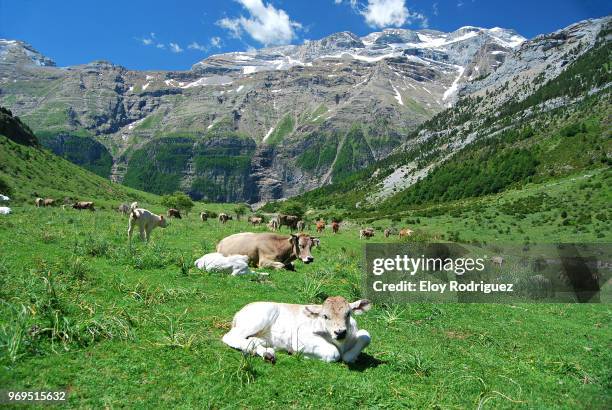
(435, 9)
(147, 41)
(216, 42)
(175, 48)
(385, 13)
(265, 23)
(160, 45)
(197, 46)
(394, 13)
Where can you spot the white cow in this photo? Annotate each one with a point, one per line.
(234, 264)
(327, 332)
(146, 222)
(4, 198)
(5, 210)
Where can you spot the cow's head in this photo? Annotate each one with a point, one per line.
(163, 222)
(300, 246)
(332, 318)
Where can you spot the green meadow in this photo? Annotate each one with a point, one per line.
(140, 326)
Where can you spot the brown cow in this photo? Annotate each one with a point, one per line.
(39, 202)
(366, 233)
(405, 232)
(174, 213)
(269, 249)
(387, 232)
(48, 202)
(320, 226)
(204, 216)
(288, 220)
(84, 205)
(335, 226)
(255, 220)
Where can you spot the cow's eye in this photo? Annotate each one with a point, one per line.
(325, 317)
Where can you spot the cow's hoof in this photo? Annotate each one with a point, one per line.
(270, 357)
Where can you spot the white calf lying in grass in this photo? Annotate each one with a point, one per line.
(146, 222)
(234, 264)
(327, 332)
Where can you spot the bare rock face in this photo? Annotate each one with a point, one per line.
(271, 123)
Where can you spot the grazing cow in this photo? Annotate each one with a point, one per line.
(204, 216)
(320, 226)
(335, 226)
(5, 210)
(387, 232)
(146, 222)
(234, 264)
(301, 225)
(366, 233)
(273, 224)
(289, 221)
(268, 249)
(84, 205)
(124, 209)
(405, 232)
(223, 218)
(39, 202)
(174, 213)
(48, 202)
(325, 332)
(255, 220)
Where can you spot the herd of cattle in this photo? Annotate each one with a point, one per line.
(326, 332)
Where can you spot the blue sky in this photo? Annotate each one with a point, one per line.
(174, 35)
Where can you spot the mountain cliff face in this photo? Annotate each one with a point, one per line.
(272, 123)
(546, 115)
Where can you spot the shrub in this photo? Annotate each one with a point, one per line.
(178, 200)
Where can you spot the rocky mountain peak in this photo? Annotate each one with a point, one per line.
(19, 52)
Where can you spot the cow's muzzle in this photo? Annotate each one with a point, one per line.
(308, 259)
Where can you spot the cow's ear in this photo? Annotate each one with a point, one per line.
(360, 306)
(293, 238)
(312, 311)
(161, 217)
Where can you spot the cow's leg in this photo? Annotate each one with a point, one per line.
(266, 263)
(148, 231)
(130, 229)
(142, 232)
(362, 340)
(322, 351)
(238, 339)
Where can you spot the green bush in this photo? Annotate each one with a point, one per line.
(178, 200)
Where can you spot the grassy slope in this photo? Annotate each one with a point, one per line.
(152, 333)
(33, 172)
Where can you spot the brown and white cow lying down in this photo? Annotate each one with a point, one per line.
(269, 249)
(326, 332)
(84, 205)
(146, 222)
